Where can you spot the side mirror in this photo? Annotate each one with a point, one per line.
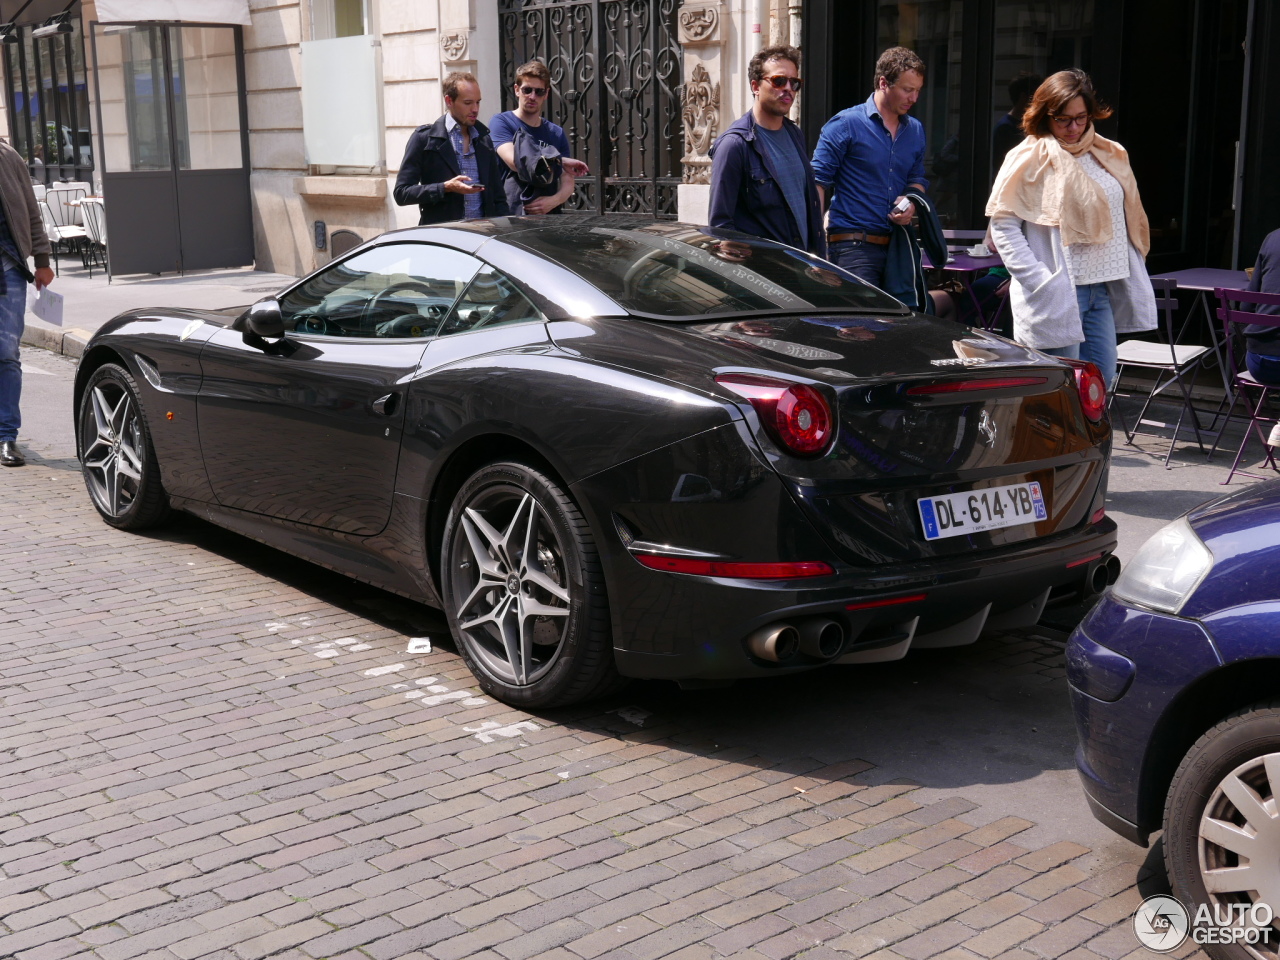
(264, 319)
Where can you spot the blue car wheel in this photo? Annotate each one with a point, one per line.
(1222, 830)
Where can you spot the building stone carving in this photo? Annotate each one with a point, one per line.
(454, 46)
(700, 103)
(700, 24)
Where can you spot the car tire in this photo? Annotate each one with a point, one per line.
(1219, 795)
(524, 592)
(117, 459)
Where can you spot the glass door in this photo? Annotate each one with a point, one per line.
(175, 163)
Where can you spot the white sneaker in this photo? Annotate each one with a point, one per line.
(1274, 439)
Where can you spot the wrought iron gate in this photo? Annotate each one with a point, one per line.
(615, 88)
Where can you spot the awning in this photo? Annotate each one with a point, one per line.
(196, 11)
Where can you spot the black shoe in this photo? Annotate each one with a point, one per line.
(10, 455)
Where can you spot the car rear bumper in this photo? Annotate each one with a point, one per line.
(688, 627)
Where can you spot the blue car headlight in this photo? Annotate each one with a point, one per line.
(1166, 570)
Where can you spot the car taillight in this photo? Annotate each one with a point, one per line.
(733, 568)
(796, 415)
(1093, 389)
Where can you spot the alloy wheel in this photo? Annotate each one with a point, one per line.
(509, 566)
(113, 443)
(1239, 843)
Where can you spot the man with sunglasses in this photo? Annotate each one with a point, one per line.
(761, 181)
(867, 158)
(532, 86)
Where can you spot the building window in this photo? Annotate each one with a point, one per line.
(338, 18)
(49, 104)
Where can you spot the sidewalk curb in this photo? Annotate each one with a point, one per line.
(69, 343)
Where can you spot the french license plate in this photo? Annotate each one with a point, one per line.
(991, 508)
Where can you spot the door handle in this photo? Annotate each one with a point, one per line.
(386, 406)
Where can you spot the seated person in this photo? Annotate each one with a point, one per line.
(1262, 343)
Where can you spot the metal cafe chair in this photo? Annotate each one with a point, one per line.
(61, 218)
(1243, 385)
(95, 225)
(1175, 365)
(60, 197)
(53, 232)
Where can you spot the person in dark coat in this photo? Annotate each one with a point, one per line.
(761, 180)
(1262, 343)
(21, 236)
(450, 169)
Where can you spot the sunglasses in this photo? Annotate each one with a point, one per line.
(1071, 121)
(529, 91)
(780, 82)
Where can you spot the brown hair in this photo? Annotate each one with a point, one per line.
(452, 80)
(533, 70)
(1052, 96)
(781, 51)
(894, 62)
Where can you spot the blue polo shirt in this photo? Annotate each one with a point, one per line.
(867, 168)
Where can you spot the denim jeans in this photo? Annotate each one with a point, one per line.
(1265, 368)
(13, 307)
(1099, 323)
(865, 260)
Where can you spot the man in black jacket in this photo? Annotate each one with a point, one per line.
(450, 169)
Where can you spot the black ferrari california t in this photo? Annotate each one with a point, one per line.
(613, 448)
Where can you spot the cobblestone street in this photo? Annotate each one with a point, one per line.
(209, 749)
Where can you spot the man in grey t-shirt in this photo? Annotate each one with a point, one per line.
(761, 181)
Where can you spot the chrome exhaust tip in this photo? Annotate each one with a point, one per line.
(821, 638)
(1104, 574)
(777, 642)
(1112, 563)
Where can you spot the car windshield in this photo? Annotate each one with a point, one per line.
(677, 271)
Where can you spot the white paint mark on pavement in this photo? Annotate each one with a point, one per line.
(445, 698)
(383, 671)
(491, 728)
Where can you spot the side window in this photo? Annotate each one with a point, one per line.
(396, 290)
(490, 300)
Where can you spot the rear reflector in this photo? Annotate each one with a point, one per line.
(1081, 563)
(965, 386)
(1098, 515)
(887, 602)
(743, 571)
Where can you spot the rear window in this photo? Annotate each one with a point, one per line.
(677, 271)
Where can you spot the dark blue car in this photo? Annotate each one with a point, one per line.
(1175, 681)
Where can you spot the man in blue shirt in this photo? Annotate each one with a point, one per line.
(532, 85)
(867, 157)
(761, 181)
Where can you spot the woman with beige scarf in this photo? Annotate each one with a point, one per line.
(1068, 223)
